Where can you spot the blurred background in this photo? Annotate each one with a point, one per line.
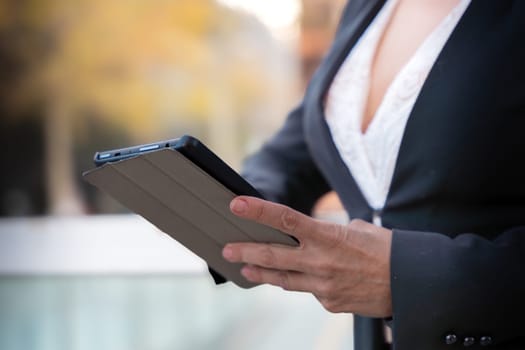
(78, 271)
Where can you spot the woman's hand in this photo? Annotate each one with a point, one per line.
(346, 267)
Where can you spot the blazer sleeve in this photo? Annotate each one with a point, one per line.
(450, 291)
(284, 171)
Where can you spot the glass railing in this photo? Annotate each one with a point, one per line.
(55, 294)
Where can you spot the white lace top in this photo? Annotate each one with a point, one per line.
(371, 157)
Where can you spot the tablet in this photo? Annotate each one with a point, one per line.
(184, 189)
(195, 151)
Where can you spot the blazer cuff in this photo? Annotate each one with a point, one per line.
(450, 289)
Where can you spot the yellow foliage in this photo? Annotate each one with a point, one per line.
(120, 57)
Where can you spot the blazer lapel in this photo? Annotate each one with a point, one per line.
(316, 129)
(318, 133)
(428, 110)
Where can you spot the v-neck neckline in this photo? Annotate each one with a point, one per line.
(375, 121)
(370, 58)
(349, 39)
(371, 156)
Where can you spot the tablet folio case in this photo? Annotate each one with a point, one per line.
(186, 203)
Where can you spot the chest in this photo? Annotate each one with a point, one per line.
(371, 156)
(408, 25)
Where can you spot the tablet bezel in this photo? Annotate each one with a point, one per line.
(195, 151)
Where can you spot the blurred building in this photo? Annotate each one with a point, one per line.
(318, 23)
(98, 75)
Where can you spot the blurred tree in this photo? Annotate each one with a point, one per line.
(126, 60)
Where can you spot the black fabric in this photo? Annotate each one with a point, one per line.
(457, 198)
(370, 333)
(217, 277)
(283, 176)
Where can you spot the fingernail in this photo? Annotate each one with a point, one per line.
(227, 253)
(238, 206)
(247, 272)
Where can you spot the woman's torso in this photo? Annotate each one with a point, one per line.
(458, 164)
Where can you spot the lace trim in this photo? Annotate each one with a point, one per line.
(371, 157)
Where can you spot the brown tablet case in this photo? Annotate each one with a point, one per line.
(186, 203)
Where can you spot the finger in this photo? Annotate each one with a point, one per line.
(288, 280)
(266, 255)
(274, 215)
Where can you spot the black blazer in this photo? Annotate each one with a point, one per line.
(457, 199)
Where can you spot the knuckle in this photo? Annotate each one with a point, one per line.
(331, 305)
(289, 220)
(324, 290)
(325, 268)
(357, 224)
(259, 214)
(339, 234)
(267, 257)
(284, 281)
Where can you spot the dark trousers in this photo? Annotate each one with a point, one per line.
(369, 334)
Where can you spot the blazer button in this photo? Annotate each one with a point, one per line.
(469, 341)
(485, 340)
(451, 339)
